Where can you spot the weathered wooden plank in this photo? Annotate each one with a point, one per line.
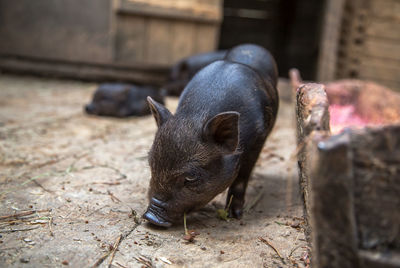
(90, 72)
(312, 119)
(329, 43)
(383, 28)
(354, 15)
(75, 30)
(374, 47)
(206, 38)
(182, 43)
(332, 212)
(158, 40)
(376, 172)
(104, 32)
(130, 42)
(376, 69)
(199, 11)
(378, 72)
(385, 9)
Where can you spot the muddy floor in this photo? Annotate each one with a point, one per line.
(73, 188)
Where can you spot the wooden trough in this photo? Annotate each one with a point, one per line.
(350, 180)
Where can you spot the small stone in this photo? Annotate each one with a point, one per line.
(65, 263)
(286, 234)
(24, 260)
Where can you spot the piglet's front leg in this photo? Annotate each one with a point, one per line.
(238, 188)
(236, 193)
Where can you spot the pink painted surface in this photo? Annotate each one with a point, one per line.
(343, 116)
(356, 104)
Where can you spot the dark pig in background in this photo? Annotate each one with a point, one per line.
(122, 100)
(213, 140)
(185, 69)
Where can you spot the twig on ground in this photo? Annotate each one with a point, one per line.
(108, 183)
(146, 262)
(113, 197)
(97, 210)
(293, 250)
(120, 265)
(101, 259)
(115, 247)
(18, 230)
(270, 245)
(190, 235)
(223, 214)
(50, 229)
(22, 214)
(184, 224)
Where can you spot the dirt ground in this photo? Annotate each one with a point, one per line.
(77, 182)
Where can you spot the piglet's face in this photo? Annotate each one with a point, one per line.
(189, 164)
(109, 100)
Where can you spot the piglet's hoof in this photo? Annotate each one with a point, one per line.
(236, 209)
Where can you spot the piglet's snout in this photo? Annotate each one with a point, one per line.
(89, 108)
(156, 213)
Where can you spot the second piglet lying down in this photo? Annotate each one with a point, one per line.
(122, 100)
(212, 142)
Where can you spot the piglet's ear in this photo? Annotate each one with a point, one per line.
(160, 113)
(223, 129)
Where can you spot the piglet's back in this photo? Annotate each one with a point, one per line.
(260, 60)
(223, 86)
(244, 81)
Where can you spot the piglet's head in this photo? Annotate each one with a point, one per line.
(191, 160)
(109, 100)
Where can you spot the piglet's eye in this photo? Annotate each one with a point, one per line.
(190, 179)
